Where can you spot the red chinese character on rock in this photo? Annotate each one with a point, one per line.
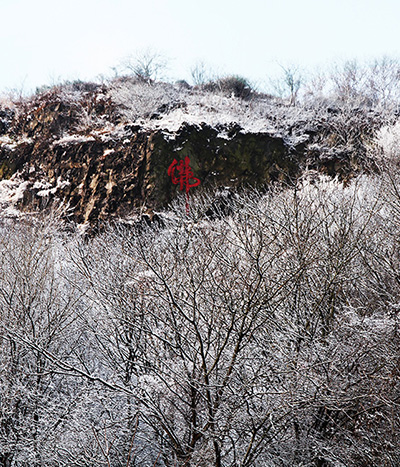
(181, 174)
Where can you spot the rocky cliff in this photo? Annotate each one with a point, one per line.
(102, 151)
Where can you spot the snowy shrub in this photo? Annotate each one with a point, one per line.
(388, 141)
(143, 100)
(230, 86)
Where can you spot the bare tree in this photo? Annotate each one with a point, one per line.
(289, 84)
(36, 313)
(200, 73)
(147, 66)
(374, 83)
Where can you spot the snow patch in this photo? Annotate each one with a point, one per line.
(73, 139)
(7, 142)
(108, 152)
(46, 188)
(12, 191)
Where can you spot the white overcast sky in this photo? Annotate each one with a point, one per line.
(48, 41)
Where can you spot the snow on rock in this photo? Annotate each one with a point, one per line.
(7, 142)
(12, 191)
(73, 139)
(46, 189)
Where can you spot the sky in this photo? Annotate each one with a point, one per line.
(45, 42)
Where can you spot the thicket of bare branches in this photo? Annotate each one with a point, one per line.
(265, 336)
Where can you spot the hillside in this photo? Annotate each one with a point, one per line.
(260, 328)
(102, 151)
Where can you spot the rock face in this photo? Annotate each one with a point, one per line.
(99, 179)
(79, 152)
(239, 159)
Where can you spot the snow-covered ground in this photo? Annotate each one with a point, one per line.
(166, 107)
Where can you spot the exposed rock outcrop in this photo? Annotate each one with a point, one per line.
(76, 148)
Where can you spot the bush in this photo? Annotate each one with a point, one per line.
(233, 86)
